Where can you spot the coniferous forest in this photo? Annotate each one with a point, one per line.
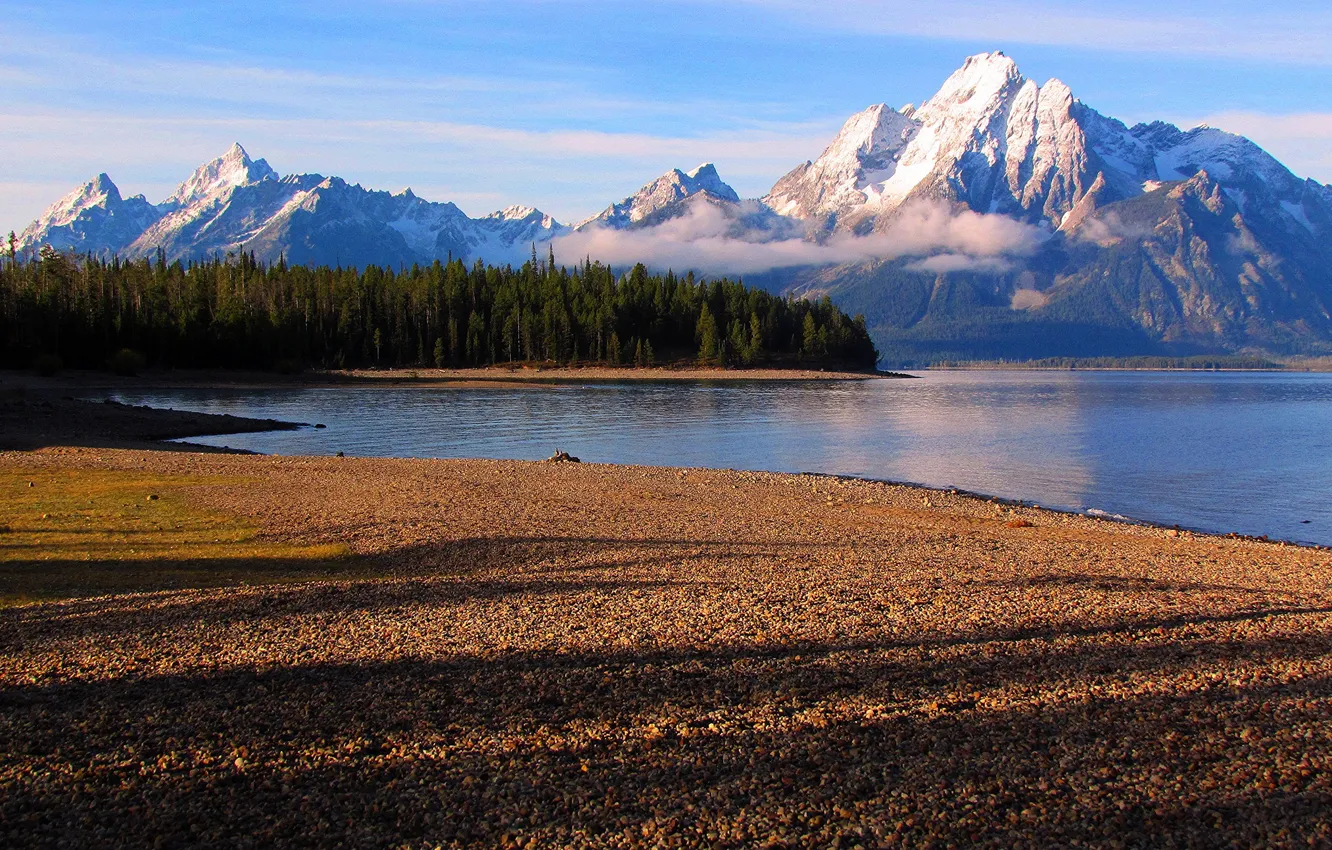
(239, 313)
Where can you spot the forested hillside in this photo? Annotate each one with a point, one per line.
(239, 313)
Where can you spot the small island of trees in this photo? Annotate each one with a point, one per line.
(235, 312)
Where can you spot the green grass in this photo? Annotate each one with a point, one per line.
(71, 533)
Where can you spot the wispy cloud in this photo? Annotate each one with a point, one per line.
(703, 240)
(1254, 31)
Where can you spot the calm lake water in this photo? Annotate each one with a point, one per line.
(1246, 452)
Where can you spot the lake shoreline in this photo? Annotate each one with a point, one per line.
(77, 380)
(26, 419)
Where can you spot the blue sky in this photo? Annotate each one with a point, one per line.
(568, 105)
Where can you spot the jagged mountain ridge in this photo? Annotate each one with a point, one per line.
(996, 142)
(235, 203)
(1239, 260)
(667, 192)
(94, 218)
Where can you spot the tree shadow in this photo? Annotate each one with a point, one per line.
(735, 748)
(452, 718)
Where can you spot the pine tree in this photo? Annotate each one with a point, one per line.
(736, 342)
(809, 336)
(707, 336)
(238, 313)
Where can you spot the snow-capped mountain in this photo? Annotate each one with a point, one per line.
(1152, 239)
(1161, 240)
(93, 218)
(213, 181)
(235, 203)
(996, 142)
(663, 197)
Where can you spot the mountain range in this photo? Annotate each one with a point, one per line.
(1000, 219)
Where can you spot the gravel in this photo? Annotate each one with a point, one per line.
(588, 655)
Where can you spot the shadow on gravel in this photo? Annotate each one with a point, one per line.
(1156, 727)
(440, 572)
(956, 741)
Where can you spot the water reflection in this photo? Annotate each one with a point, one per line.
(1244, 452)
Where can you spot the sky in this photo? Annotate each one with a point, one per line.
(568, 105)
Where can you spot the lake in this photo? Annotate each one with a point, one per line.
(1249, 452)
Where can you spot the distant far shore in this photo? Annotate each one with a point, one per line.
(1197, 363)
(72, 380)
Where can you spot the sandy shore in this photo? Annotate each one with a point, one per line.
(79, 381)
(582, 655)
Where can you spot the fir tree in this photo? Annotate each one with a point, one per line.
(809, 336)
(240, 313)
(707, 336)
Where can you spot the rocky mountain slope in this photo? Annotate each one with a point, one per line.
(1144, 239)
(663, 198)
(234, 203)
(1160, 241)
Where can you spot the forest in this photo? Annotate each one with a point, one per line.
(234, 312)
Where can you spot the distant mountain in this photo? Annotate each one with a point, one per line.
(235, 203)
(1138, 240)
(664, 198)
(92, 218)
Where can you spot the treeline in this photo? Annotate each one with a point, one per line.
(239, 313)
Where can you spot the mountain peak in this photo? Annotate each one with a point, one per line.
(97, 192)
(102, 184)
(514, 212)
(215, 178)
(984, 81)
(669, 189)
(871, 134)
(867, 145)
(704, 178)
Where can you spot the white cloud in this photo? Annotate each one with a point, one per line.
(1256, 32)
(946, 263)
(702, 240)
(1109, 229)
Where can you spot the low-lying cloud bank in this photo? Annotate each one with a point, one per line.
(707, 240)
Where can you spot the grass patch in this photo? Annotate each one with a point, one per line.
(72, 533)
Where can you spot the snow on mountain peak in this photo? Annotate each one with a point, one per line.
(513, 212)
(705, 178)
(91, 218)
(97, 192)
(865, 149)
(215, 178)
(523, 213)
(982, 83)
(669, 189)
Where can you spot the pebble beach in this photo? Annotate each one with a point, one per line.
(580, 655)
